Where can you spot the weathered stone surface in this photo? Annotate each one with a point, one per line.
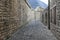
(13, 14)
(55, 27)
(33, 31)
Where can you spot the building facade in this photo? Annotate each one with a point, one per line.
(54, 17)
(45, 16)
(13, 14)
(37, 13)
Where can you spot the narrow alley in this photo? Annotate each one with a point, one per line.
(29, 19)
(34, 30)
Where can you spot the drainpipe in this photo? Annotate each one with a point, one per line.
(49, 14)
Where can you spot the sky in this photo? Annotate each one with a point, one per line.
(35, 3)
(45, 1)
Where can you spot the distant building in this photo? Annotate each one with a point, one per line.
(38, 13)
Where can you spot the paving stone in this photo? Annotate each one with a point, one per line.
(36, 31)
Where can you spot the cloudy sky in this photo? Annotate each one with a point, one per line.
(35, 3)
(45, 1)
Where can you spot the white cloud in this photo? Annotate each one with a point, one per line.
(45, 1)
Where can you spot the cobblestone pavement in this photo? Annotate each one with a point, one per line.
(33, 31)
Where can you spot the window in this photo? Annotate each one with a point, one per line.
(59, 20)
(54, 14)
(42, 18)
(51, 15)
(46, 17)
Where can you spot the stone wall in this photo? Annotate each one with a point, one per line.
(55, 27)
(45, 17)
(13, 14)
(54, 17)
(5, 8)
